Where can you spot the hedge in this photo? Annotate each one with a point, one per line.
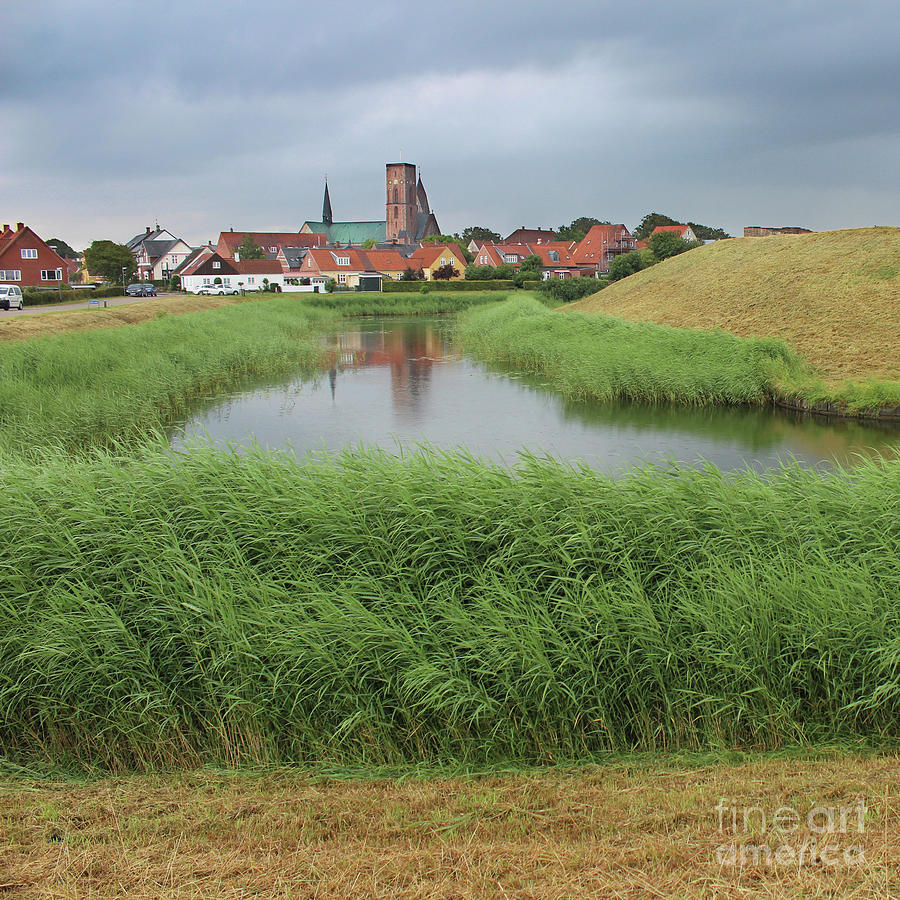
(40, 298)
(405, 287)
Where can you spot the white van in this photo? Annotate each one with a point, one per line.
(10, 296)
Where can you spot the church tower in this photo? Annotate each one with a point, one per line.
(401, 224)
(327, 217)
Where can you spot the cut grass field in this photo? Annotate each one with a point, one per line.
(59, 321)
(834, 297)
(623, 830)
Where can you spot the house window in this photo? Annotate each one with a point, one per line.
(343, 260)
(342, 277)
(29, 254)
(51, 274)
(510, 258)
(10, 274)
(251, 280)
(443, 261)
(217, 265)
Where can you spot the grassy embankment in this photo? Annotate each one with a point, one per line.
(346, 304)
(833, 297)
(170, 611)
(166, 611)
(599, 357)
(77, 390)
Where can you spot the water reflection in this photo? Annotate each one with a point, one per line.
(401, 382)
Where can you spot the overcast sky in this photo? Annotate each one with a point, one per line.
(212, 114)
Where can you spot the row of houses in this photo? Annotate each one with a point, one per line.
(296, 268)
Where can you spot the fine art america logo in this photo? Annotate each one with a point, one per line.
(818, 836)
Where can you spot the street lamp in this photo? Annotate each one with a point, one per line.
(124, 270)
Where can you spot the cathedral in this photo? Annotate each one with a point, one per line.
(408, 217)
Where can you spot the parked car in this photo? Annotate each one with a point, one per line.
(11, 297)
(219, 289)
(142, 289)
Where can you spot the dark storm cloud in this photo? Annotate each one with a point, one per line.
(215, 113)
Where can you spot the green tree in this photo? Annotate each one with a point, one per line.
(578, 228)
(665, 244)
(649, 222)
(477, 233)
(708, 233)
(249, 249)
(368, 244)
(62, 248)
(628, 263)
(445, 273)
(411, 274)
(107, 259)
(532, 265)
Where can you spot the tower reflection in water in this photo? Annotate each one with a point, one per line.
(409, 349)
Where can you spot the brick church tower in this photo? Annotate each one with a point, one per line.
(402, 207)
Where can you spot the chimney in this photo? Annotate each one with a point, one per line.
(148, 229)
(5, 227)
(20, 226)
(237, 254)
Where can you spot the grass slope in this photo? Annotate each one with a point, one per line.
(834, 297)
(175, 610)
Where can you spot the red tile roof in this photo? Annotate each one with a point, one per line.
(229, 241)
(678, 229)
(593, 248)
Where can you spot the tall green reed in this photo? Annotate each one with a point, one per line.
(599, 357)
(211, 607)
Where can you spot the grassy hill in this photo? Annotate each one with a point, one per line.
(832, 296)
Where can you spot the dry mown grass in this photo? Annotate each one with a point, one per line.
(59, 321)
(621, 831)
(833, 296)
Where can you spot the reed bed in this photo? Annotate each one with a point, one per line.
(418, 304)
(90, 388)
(599, 357)
(166, 610)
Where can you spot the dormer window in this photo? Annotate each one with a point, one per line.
(343, 260)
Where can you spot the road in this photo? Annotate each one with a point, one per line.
(60, 307)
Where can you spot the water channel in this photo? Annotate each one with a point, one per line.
(399, 383)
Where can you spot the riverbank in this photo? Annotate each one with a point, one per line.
(634, 828)
(211, 608)
(832, 297)
(59, 321)
(601, 358)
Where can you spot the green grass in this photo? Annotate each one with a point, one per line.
(599, 357)
(167, 610)
(417, 304)
(90, 388)
(833, 297)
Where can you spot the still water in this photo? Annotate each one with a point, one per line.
(399, 383)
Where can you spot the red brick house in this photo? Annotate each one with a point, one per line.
(27, 261)
(602, 244)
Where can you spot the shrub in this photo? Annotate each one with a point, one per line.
(629, 263)
(568, 290)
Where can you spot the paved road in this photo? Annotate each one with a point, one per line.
(59, 307)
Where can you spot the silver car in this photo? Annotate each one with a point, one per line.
(220, 289)
(11, 296)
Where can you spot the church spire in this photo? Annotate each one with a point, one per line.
(326, 207)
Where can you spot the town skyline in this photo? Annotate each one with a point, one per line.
(725, 116)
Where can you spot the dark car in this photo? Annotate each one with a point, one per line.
(144, 289)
